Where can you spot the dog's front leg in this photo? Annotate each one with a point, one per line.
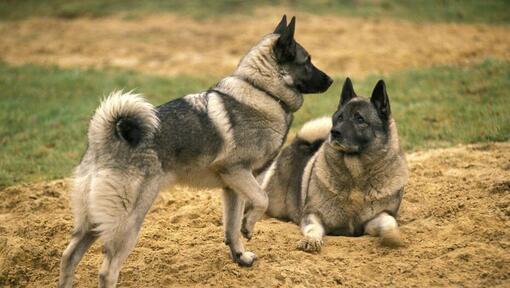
(312, 229)
(233, 206)
(243, 184)
(386, 227)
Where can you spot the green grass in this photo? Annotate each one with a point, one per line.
(436, 107)
(490, 11)
(45, 110)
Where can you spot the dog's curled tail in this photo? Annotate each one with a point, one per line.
(122, 119)
(315, 130)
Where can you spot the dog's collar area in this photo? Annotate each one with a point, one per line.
(248, 81)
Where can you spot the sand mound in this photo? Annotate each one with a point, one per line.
(455, 223)
(169, 44)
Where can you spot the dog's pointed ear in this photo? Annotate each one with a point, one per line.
(285, 48)
(347, 92)
(281, 26)
(381, 101)
(290, 29)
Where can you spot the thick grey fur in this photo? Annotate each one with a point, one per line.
(215, 139)
(331, 182)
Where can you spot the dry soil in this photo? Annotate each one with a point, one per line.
(170, 44)
(454, 220)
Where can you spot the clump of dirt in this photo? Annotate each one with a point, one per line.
(170, 44)
(454, 220)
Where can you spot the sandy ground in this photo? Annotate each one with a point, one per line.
(168, 44)
(454, 218)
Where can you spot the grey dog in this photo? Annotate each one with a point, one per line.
(221, 138)
(342, 176)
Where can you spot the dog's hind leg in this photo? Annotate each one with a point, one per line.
(243, 182)
(83, 237)
(117, 249)
(80, 243)
(122, 238)
(385, 226)
(312, 229)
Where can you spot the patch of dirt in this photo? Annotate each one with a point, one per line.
(454, 220)
(169, 44)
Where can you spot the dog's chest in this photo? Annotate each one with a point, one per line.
(253, 129)
(340, 190)
(354, 166)
(274, 146)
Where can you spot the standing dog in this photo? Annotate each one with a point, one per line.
(342, 177)
(219, 138)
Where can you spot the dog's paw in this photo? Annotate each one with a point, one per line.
(391, 238)
(245, 259)
(309, 244)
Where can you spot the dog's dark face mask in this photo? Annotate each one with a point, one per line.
(358, 123)
(296, 63)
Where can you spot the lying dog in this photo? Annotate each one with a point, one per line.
(343, 176)
(218, 138)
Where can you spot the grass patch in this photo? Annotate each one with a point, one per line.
(436, 107)
(45, 110)
(45, 113)
(490, 11)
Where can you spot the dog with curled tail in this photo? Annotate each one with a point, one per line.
(220, 138)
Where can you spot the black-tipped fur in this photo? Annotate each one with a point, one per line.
(130, 130)
(347, 93)
(381, 101)
(281, 26)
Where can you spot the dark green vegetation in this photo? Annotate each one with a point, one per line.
(490, 11)
(45, 110)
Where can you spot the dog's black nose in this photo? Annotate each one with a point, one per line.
(336, 134)
(330, 81)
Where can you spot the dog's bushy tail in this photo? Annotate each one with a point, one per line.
(315, 132)
(122, 119)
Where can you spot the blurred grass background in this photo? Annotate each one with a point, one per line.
(491, 11)
(46, 109)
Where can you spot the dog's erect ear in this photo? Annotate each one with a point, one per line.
(281, 26)
(289, 32)
(347, 93)
(285, 48)
(381, 101)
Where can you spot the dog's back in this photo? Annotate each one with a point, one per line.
(283, 180)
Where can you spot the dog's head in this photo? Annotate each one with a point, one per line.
(295, 63)
(360, 124)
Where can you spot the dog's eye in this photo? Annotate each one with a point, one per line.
(340, 117)
(359, 119)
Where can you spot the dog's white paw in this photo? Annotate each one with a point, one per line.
(391, 238)
(246, 259)
(310, 244)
